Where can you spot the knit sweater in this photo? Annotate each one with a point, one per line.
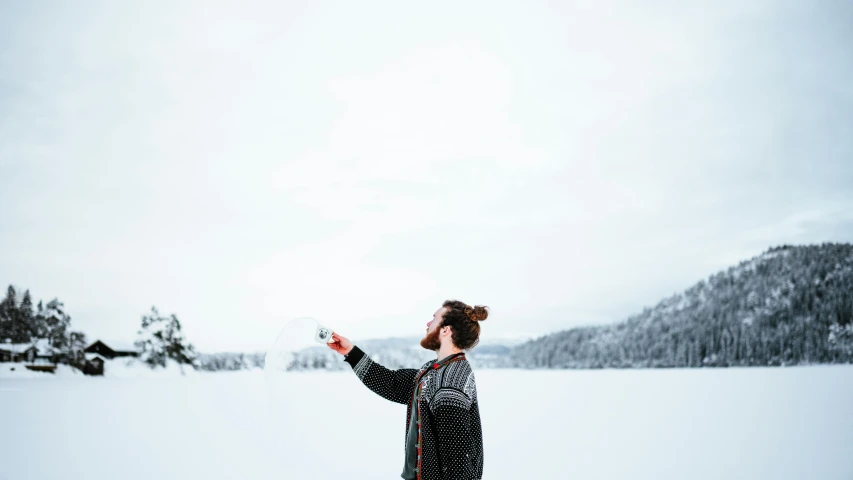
(449, 434)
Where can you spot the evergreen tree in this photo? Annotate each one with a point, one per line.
(160, 338)
(7, 311)
(56, 324)
(27, 317)
(20, 322)
(16, 318)
(74, 351)
(841, 341)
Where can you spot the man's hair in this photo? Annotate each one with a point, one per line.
(464, 320)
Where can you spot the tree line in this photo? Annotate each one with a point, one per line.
(159, 337)
(23, 322)
(791, 305)
(788, 306)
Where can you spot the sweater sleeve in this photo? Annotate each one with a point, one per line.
(450, 411)
(395, 385)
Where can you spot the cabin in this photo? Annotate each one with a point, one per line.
(97, 354)
(94, 364)
(38, 356)
(18, 352)
(45, 352)
(109, 353)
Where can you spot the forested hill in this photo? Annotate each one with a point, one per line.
(789, 305)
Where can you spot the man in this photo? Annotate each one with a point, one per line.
(444, 440)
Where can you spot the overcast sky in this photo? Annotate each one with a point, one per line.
(564, 163)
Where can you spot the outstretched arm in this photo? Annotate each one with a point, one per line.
(395, 385)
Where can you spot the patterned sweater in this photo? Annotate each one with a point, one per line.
(450, 437)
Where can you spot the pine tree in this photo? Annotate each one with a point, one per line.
(160, 338)
(27, 317)
(76, 345)
(17, 317)
(56, 324)
(38, 320)
(8, 309)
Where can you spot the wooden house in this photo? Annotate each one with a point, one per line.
(18, 352)
(38, 356)
(110, 353)
(94, 364)
(45, 352)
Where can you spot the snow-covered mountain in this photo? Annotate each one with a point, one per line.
(789, 305)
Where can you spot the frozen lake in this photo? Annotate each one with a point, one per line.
(760, 423)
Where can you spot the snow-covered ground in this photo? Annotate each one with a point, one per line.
(17, 370)
(759, 423)
(116, 368)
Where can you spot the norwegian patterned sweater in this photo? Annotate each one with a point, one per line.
(450, 438)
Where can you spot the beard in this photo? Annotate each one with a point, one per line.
(431, 341)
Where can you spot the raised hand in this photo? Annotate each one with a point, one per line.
(340, 344)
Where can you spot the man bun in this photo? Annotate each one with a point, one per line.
(464, 320)
(478, 313)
